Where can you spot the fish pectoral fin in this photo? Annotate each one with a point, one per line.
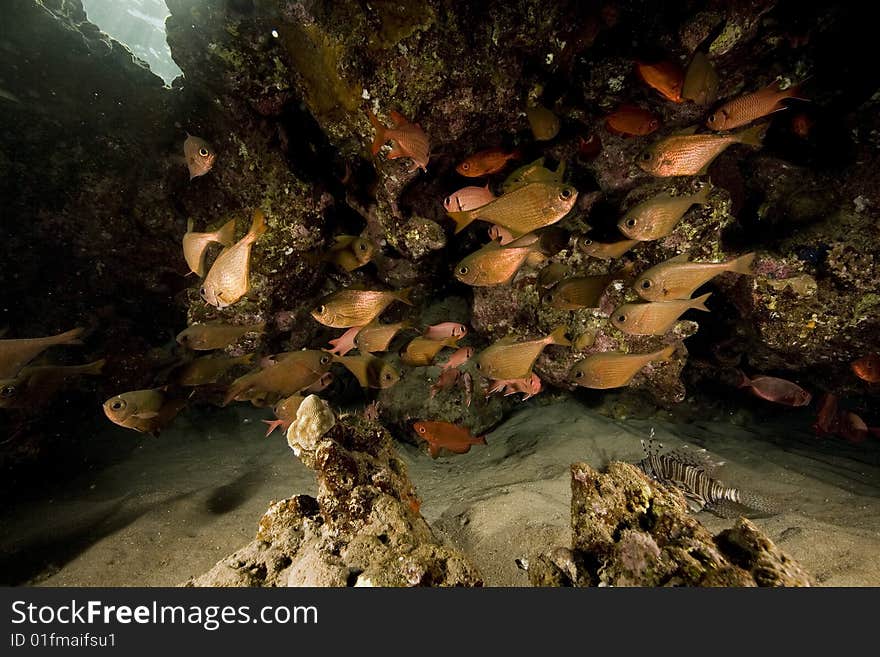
(433, 450)
(397, 151)
(146, 415)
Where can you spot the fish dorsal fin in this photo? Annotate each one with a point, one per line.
(510, 339)
(399, 119)
(190, 224)
(681, 257)
(690, 130)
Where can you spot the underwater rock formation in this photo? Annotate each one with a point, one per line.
(364, 528)
(628, 530)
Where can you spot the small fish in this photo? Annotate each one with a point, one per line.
(691, 154)
(284, 374)
(35, 385)
(485, 162)
(500, 235)
(631, 120)
(195, 245)
(776, 390)
(350, 251)
(457, 359)
(345, 342)
(199, 156)
(580, 292)
(803, 285)
(229, 277)
(508, 359)
(371, 372)
(215, 335)
(589, 147)
(750, 107)
(657, 216)
(409, 140)
(867, 368)
(700, 81)
(445, 330)
(422, 351)
(445, 435)
(552, 274)
(828, 417)
(611, 369)
(145, 411)
(321, 384)
(605, 251)
(532, 172)
(665, 77)
(285, 413)
(586, 339)
(494, 264)
(468, 198)
(347, 308)
(16, 353)
(448, 378)
(529, 386)
(544, 123)
(677, 278)
(377, 337)
(525, 209)
(208, 369)
(654, 318)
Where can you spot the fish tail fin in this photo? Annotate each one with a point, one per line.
(558, 336)
(405, 295)
(753, 136)
(665, 353)
(273, 424)
(462, 220)
(258, 226)
(744, 380)
(94, 368)
(70, 337)
(700, 302)
(226, 233)
(743, 264)
(380, 139)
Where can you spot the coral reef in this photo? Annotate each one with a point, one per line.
(364, 528)
(628, 530)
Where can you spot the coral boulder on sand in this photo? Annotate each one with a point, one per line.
(364, 529)
(630, 531)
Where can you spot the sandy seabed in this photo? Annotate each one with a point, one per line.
(181, 502)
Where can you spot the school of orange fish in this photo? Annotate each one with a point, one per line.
(532, 199)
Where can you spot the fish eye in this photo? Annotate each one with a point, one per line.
(548, 298)
(646, 284)
(587, 242)
(447, 201)
(463, 270)
(422, 430)
(203, 151)
(479, 366)
(320, 309)
(579, 374)
(362, 246)
(465, 166)
(646, 156)
(7, 392)
(621, 318)
(387, 376)
(565, 193)
(204, 293)
(711, 118)
(325, 360)
(631, 222)
(118, 404)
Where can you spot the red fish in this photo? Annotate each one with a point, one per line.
(485, 162)
(666, 77)
(500, 235)
(828, 418)
(445, 330)
(445, 435)
(448, 378)
(631, 120)
(459, 358)
(530, 386)
(590, 146)
(409, 140)
(345, 342)
(779, 391)
(867, 368)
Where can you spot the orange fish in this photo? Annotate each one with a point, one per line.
(750, 107)
(445, 435)
(589, 147)
(654, 318)
(199, 156)
(409, 140)
(458, 358)
(494, 264)
(523, 210)
(605, 251)
(229, 277)
(208, 369)
(611, 369)
(347, 308)
(508, 359)
(321, 384)
(774, 389)
(580, 292)
(422, 351)
(657, 216)
(445, 330)
(371, 372)
(867, 368)
(15, 354)
(350, 252)
(666, 77)
(448, 378)
(485, 162)
(687, 154)
(677, 278)
(529, 386)
(35, 385)
(215, 335)
(195, 245)
(285, 374)
(631, 120)
(468, 198)
(145, 411)
(345, 342)
(377, 337)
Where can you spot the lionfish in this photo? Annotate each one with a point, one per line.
(689, 472)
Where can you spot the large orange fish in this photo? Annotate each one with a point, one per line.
(523, 210)
(750, 107)
(215, 335)
(199, 156)
(867, 368)
(445, 435)
(35, 385)
(677, 278)
(377, 337)
(657, 216)
(508, 359)
(654, 318)
(209, 369)
(229, 277)
(494, 264)
(579, 292)
(422, 351)
(603, 250)
(285, 374)
(666, 77)
(347, 308)
(485, 162)
(409, 140)
(611, 369)
(631, 120)
(532, 172)
(687, 154)
(145, 411)
(16, 353)
(195, 245)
